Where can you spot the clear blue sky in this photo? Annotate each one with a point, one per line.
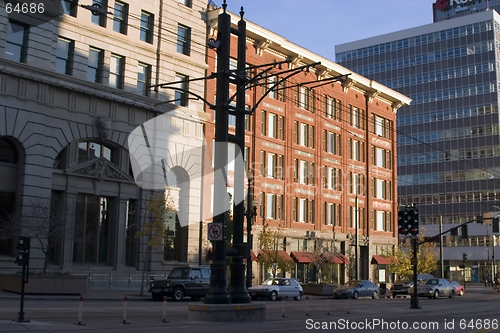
(319, 25)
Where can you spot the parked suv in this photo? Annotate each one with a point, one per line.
(402, 287)
(182, 281)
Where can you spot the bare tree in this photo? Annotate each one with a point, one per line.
(46, 221)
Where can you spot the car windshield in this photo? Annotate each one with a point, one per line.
(353, 283)
(179, 273)
(270, 282)
(432, 282)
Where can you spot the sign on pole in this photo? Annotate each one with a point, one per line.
(215, 231)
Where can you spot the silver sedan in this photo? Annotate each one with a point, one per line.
(277, 288)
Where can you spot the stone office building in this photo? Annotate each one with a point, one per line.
(71, 92)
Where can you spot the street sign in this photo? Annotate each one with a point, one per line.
(215, 231)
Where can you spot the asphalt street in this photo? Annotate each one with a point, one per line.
(103, 311)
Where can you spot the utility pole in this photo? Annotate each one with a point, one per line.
(238, 291)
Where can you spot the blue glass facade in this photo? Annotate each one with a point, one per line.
(448, 138)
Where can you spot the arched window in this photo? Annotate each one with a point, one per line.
(8, 153)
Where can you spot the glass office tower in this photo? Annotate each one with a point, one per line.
(448, 138)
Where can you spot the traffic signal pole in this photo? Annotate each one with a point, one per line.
(414, 298)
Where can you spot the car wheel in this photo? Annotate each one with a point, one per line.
(375, 295)
(298, 298)
(436, 294)
(195, 298)
(355, 295)
(178, 294)
(452, 294)
(157, 296)
(274, 295)
(461, 293)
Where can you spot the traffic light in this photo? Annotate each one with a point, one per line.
(23, 251)
(403, 221)
(465, 231)
(465, 257)
(413, 221)
(495, 225)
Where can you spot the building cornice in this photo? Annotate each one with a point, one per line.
(278, 44)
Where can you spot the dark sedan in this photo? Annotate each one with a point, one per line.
(356, 289)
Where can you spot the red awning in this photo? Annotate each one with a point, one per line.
(332, 258)
(343, 258)
(302, 257)
(281, 254)
(379, 260)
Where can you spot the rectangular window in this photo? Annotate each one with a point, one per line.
(281, 165)
(116, 71)
(247, 122)
(143, 79)
(17, 41)
(303, 172)
(68, 7)
(274, 92)
(304, 97)
(146, 33)
(272, 128)
(94, 66)
(282, 128)
(181, 96)
(264, 122)
(303, 210)
(271, 206)
(280, 207)
(271, 165)
(120, 17)
(304, 135)
(183, 39)
(101, 18)
(263, 163)
(186, 3)
(64, 55)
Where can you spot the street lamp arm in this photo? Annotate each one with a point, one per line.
(293, 72)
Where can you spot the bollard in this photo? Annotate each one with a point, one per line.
(80, 312)
(307, 305)
(283, 307)
(165, 310)
(125, 311)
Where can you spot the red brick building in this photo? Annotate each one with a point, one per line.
(315, 150)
